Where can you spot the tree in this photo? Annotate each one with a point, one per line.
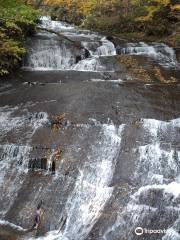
(17, 20)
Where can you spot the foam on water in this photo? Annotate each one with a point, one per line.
(7, 122)
(126, 222)
(141, 211)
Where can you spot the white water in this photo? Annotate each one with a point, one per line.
(53, 54)
(12, 155)
(157, 163)
(14, 158)
(89, 64)
(158, 170)
(13, 226)
(171, 234)
(46, 22)
(50, 55)
(107, 48)
(91, 191)
(159, 160)
(111, 80)
(159, 52)
(13, 164)
(10, 122)
(157, 167)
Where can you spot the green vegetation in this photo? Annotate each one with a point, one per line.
(17, 21)
(133, 19)
(148, 19)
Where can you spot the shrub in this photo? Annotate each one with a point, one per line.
(17, 21)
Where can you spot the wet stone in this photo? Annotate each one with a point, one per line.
(38, 163)
(109, 167)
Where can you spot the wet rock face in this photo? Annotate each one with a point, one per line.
(178, 54)
(47, 52)
(100, 153)
(37, 163)
(161, 53)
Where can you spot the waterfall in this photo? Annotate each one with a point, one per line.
(10, 122)
(171, 234)
(158, 170)
(50, 55)
(159, 52)
(91, 191)
(90, 64)
(14, 158)
(158, 161)
(106, 49)
(98, 178)
(59, 26)
(13, 165)
(47, 52)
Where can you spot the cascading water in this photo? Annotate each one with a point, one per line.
(13, 163)
(14, 158)
(92, 191)
(158, 171)
(97, 151)
(46, 22)
(107, 48)
(10, 122)
(50, 53)
(159, 52)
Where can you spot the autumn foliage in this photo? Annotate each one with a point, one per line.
(17, 20)
(151, 16)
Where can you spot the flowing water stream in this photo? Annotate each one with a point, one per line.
(113, 163)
